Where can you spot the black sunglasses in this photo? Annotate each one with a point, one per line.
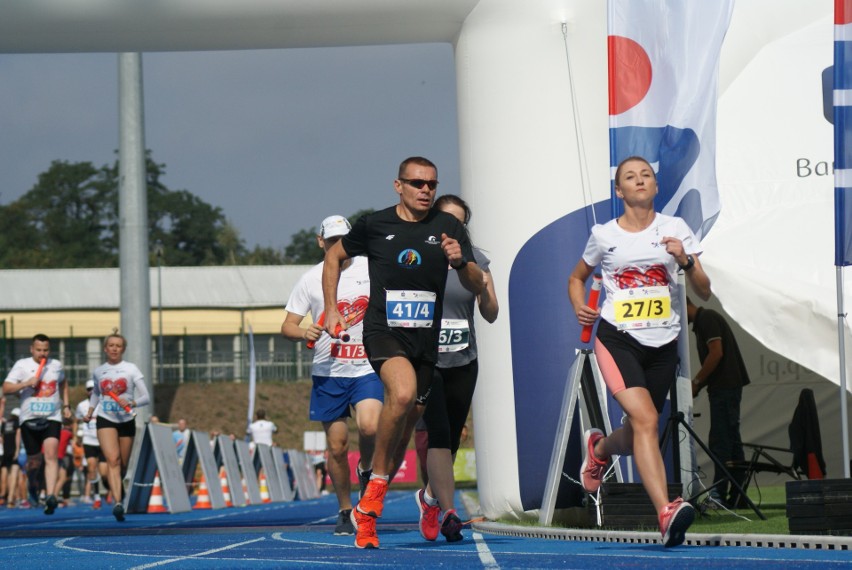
(420, 183)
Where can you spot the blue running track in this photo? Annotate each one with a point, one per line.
(299, 535)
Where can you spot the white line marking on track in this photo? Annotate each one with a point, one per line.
(61, 543)
(23, 545)
(198, 555)
(485, 555)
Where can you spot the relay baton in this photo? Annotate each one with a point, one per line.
(594, 295)
(38, 374)
(114, 396)
(338, 332)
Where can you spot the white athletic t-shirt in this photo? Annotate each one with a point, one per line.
(47, 401)
(638, 261)
(333, 357)
(90, 428)
(124, 380)
(261, 431)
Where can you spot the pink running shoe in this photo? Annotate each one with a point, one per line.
(592, 469)
(429, 525)
(675, 518)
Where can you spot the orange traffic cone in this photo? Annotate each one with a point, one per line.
(223, 480)
(155, 503)
(203, 501)
(245, 491)
(264, 489)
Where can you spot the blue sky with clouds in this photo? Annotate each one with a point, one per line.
(277, 138)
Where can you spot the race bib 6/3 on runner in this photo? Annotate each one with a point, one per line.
(42, 407)
(410, 309)
(455, 335)
(643, 307)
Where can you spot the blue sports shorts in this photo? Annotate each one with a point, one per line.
(331, 396)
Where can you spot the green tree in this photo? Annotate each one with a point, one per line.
(303, 248)
(263, 256)
(70, 219)
(64, 220)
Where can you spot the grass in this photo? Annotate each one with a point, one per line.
(771, 501)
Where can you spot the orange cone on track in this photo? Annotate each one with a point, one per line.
(155, 503)
(264, 489)
(223, 480)
(245, 491)
(203, 501)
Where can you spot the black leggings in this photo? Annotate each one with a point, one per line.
(448, 405)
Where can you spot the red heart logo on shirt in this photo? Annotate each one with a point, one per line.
(106, 386)
(46, 389)
(120, 386)
(353, 312)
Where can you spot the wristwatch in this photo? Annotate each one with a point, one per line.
(464, 262)
(690, 261)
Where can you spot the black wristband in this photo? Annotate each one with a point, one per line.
(461, 264)
(690, 261)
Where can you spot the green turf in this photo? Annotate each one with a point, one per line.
(770, 500)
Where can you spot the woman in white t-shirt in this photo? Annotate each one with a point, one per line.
(119, 388)
(640, 254)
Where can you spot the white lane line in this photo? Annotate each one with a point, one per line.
(484, 552)
(198, 555)
(28, 545)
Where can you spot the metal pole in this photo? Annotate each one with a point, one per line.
(841, 341)
(133, 222)
(160, 311)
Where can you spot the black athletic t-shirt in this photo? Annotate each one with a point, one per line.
(10, 428)
(405, 257)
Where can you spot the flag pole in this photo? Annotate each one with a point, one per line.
(841, 342)
(842, 99)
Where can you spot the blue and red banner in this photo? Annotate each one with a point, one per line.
(842, 132)
(663, 68)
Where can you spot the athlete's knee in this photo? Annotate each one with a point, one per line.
(401, 399)
(338, 448)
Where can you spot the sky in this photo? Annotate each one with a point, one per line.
(278, 139)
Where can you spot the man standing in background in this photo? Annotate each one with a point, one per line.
(261, 430)
(724, 374)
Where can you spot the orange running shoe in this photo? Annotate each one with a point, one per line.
(373, 500)
(365, 530)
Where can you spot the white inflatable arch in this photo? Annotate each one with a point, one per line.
(534, 154)
(519, 149)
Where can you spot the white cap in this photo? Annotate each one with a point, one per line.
(16, 412)
(90, 384)
(334, 226)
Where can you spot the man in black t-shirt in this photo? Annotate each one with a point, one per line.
(409, 248)
(724, 373)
